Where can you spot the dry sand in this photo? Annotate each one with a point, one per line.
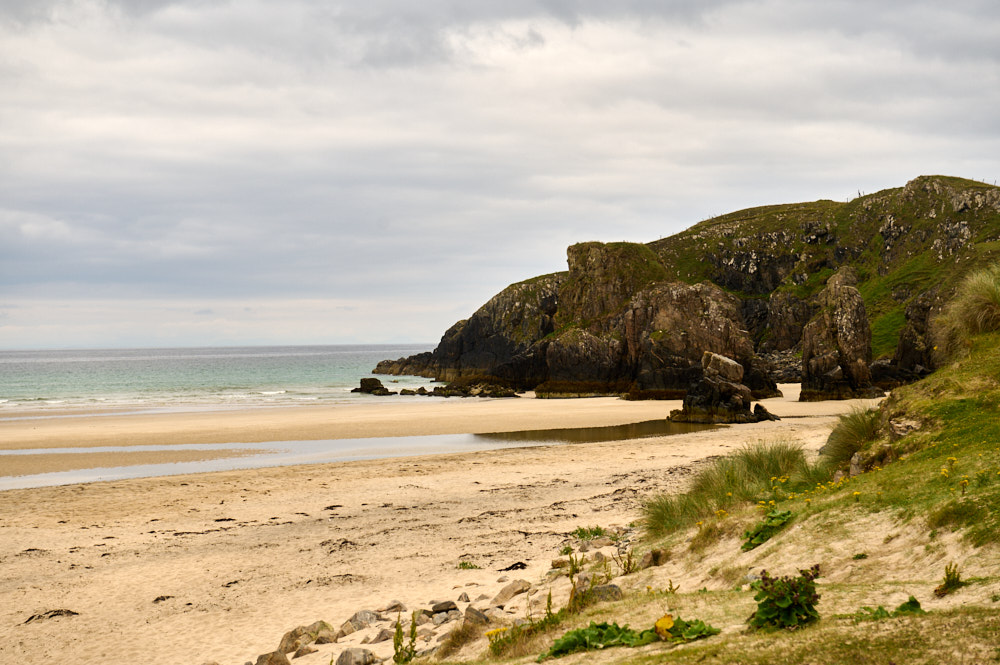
(217, 566)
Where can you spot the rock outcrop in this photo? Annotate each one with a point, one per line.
(634, 319)
(372, 386)
(837, 347)
(719, 396)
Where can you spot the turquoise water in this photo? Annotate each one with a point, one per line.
(194, 378)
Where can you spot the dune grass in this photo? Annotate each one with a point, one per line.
(761, 471)
(974, 310)
(853, 432)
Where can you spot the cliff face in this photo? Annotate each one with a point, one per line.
(498, 340)
(637, 318)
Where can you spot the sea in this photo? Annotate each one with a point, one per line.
(180, 379)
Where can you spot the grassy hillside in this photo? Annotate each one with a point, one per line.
(903, 242)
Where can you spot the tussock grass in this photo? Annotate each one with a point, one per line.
(974, 310)
(853, 432)
(746, 476)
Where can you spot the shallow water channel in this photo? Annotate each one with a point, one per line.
(285, 453)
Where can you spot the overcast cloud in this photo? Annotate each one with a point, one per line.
(186, 172)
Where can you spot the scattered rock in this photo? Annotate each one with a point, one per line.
(273, 658)
(160, 599)
(514, 588)
(356, 656)
(304, 651)
(363, 619)
(560, 563)
(476, 617)
(290, 641)
(464, 598)
(855, 464)
(654, 558)
(605, 592)
(384, 635)
(394, 606)
(444, 606)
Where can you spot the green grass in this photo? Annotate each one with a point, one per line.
(760, 472)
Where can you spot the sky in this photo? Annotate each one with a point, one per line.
(213, 172)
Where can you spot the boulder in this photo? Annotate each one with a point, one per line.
(303, 635)
(476, 617)
(836, 344)
(273, 658)
(372, 386)
(654, 558)
(605, 592)
(444, 606)
(717, 399)
(357, 656)
(383, 635)
(304, 651)
(393, 606)
(512, 589)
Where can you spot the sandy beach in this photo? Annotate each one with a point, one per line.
(217, 566)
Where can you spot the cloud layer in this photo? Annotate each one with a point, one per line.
(373, 171)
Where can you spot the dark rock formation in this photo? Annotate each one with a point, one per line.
(496, 341)
(719, 396)
(630, 318)
(372, 386)
(837, 347)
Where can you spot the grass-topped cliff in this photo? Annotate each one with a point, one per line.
(899, 512)
(759, 271)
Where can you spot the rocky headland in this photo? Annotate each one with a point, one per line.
(839, 296)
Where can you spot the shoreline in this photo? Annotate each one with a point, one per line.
(240, 557)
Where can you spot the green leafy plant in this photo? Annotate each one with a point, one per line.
(404, 653)
(605, 635)
(952, 581)
(468, 565)
(785, 602)
(766, 528)
(910, 607)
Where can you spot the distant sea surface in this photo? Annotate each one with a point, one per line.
(194, 378)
